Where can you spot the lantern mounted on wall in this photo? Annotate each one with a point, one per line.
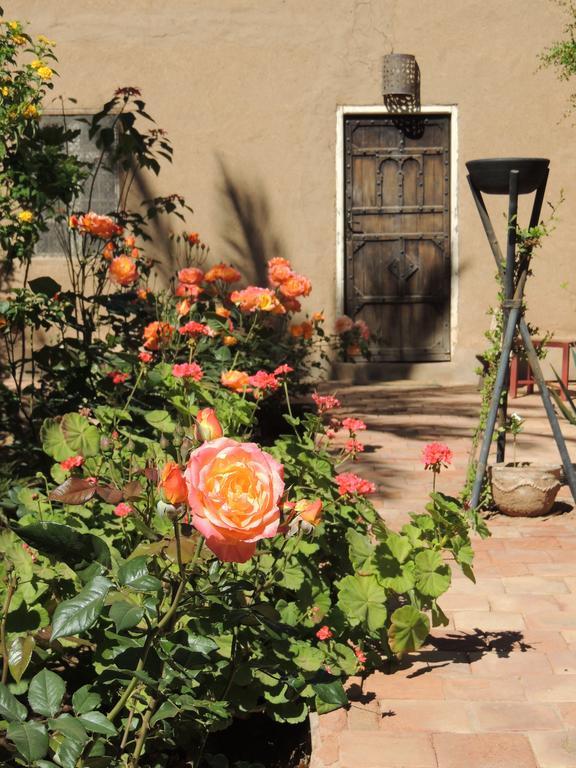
(401, 82)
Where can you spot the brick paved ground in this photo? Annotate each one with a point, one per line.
(497, 687)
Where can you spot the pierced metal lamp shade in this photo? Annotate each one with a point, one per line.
(400, 75)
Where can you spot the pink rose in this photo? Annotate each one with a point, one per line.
(234, 490)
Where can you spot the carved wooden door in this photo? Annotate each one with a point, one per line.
(397, 267)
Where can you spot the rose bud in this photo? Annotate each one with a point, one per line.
(207, 425)
(309, 511)
(172, 484)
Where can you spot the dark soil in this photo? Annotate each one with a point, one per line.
(260, 740)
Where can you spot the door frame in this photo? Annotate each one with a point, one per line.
(341, 113)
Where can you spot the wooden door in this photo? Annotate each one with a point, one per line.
(397, 268)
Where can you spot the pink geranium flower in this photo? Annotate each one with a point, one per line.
(349, 483)
(187, 371)
(73, 461)
(118, 377)
(354, 425)
(325, 402)
(263, 380)
(324, 633)
(436, 455)
(122, 509)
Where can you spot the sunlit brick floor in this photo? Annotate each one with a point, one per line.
(497, 687)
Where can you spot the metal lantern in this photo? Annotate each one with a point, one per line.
(400, 76)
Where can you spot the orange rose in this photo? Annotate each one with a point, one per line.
(123, 270)
(223, 312)
(191, 275)
(207, 426)
(172, 484)
(157, 334)
(254, 298)
(233, 492)
(235, 380)
(279, 271)
(187, 289)
(108, 251)
(229, 341)
(295, 286)
(98, 226)
(183, 307)
(222, 272)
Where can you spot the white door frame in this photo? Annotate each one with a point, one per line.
(451, 110)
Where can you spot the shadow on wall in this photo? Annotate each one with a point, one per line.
(247, 226)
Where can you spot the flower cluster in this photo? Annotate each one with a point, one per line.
(349, 484)
(93, 224)
(353, 337)
(436, 455)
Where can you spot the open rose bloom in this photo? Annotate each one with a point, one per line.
(234, 490)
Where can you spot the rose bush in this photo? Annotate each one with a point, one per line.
(168, 563)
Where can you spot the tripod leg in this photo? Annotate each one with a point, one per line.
(552, 418)
(494, 405)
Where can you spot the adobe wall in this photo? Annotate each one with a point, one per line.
(254, 85)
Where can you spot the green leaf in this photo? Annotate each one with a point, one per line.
(201, 644)
(96, 722)
(85, 700)
(160, 420)
(363, 600)
(81, 436)
(46, 692)
(19, 655)
(307, 657)
(72, 617)
(330, 696)
(164, 711)
(126, 615)
(10, 707)
(409, 628)
(399, 546)
(134, 573)
(53, 441)
(78, 550)
(432, 574)
(30, 739)
(361, 551)
(70, 727)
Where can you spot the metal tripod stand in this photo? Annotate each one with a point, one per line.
(522, 175)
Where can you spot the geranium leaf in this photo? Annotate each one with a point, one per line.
(160, 420)
(46, 692)
(408, 630)
(53, 441)
(19, 655)
(132, 490)
(363, 600)
(30, 739)
(81, 436)
(74, 490)
(72, 617)
(432, 574)
(330, 696)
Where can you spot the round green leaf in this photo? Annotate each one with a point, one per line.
(408, 630)
(46, 692)
(53, 441)
(432, 574)
(363, 600)
(80, 436)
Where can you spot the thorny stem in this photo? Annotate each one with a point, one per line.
(143, 733)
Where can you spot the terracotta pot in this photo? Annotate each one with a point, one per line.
(525, 490)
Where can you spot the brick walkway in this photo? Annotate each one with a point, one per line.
(497, 687)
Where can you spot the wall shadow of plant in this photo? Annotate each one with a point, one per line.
(247, 227)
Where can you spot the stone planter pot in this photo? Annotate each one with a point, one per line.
(525, 490)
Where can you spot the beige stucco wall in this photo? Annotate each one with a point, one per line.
(255, 84)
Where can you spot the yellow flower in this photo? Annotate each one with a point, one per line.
(19, 39)
(36, 64)
(45, 73)
(26, 216)
(43, 39)
(13, 24)
(5, 91)
(30, 111)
